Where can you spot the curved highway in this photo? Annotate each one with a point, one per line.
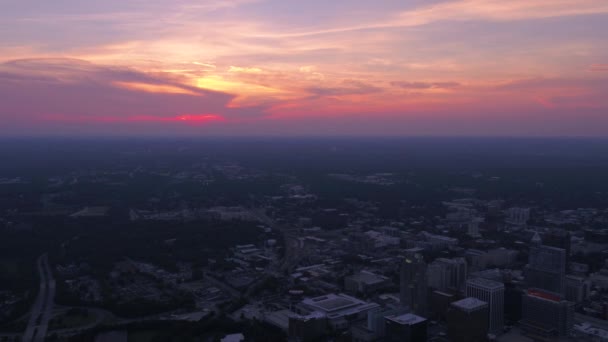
(43, 306)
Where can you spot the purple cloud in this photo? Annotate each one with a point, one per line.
(348, 87)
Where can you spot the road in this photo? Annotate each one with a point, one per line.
(43, 306)
(100, 316)
(231, 290)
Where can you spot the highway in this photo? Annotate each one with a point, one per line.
(42, 309)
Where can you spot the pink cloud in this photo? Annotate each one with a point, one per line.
(191, 119)
(39, 93)
(598, 67)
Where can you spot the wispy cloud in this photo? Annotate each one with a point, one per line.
(598, 67)
(347, 87)
(467, 10)
(425, 85)
(64, 90)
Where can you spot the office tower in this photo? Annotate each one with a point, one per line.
(447, 274)
(468, 320)
(546, 269)
(376, 319)
(473, 227)
(413, 284)
(558, 238)
(406, 328)
(513, 299)
(439, 304)
(545, 315)
(493, 293)
(518, 216)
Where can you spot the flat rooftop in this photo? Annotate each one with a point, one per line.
(368, 277)
(470, 303)
(338, 305)
(332, 302)
(544, 295)
(407, 319)
(486, 283)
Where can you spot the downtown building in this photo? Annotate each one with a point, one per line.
(413, 284)
(468, 320)
(337, 311)
(406, 328)
(546, 269)
(546, 316)
(448, 274)
(493, 293)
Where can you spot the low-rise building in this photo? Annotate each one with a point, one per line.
(365, 282)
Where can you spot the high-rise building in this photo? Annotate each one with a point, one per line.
(479, 260)
(546, 315)
(546, 269)
(518, 216)
(448, 274)
(439, 304)
(513, 298)
(468, 320)
(558, 238)
(493, 293)
(406, 328)
(413, 284)
(376, 319)
(473, 227)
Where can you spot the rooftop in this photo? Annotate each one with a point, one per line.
(589, 329)
(408, 319)
(544, 295)
(338, 305)
(368, 277)
(470, 303)
(233, 338)
(332, 302)
(486, 283)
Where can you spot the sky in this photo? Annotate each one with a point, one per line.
(294, 68)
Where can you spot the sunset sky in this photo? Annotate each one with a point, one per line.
(295, 67)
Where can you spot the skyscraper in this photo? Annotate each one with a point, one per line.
(518, 216)
(406, 328)
(558, 238)
(473, 227)
(468, 320)
(493, 293)
(546, 315)
(413, 284)
(448, 274)
(546, 269)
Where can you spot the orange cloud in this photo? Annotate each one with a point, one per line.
(155, 88)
